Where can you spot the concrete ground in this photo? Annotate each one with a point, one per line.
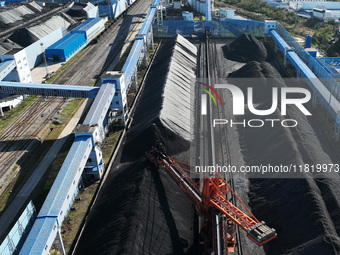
(39, 72)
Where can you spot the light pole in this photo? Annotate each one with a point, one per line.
(44, 57)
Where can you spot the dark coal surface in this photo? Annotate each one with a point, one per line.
(14, 15)
(140, 209)
(304, 211)
(245, 48)
(8, 45)
(167, 101)
(77, 11)
(23, 37)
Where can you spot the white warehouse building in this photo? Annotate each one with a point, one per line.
(326, 15)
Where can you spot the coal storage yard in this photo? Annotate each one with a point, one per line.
(140, 210)
(304, 211)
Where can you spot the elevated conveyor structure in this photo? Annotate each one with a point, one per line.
(48, 89)
(110, 101)
(59, 199)
(6, 67)
(130, 67)
(85, 155)
(319, 89)
(99, 111)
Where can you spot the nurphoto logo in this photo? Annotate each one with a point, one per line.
(240, 101)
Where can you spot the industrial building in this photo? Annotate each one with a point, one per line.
(310, 5)
(90, 27)
(203, 7)
(88, 136)
(226, 13)
(72, 43)
(22, 72)
(188, 15)
(66, 47)
(326, 15)
(113, 9)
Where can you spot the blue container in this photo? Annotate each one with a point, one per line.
(66, 47)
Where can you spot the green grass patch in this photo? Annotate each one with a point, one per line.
(122, 60)
(76, 215)
(5, 196)
(70, 109)
(109, 144)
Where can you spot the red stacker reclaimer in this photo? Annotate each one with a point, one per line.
(212, 198)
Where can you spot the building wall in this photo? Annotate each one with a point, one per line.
(226, 13)
(314, 4)
(113, 11)
(177, 4)
(188, 16)
(22, 72)
(93, 13)
(199, 5)
(34, 51)
(66, 47)
(91, 31)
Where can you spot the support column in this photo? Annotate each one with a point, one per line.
(336, 131)
(136, 79)
(315, 98)
(151, 34)
(1, 111)
(297, 77)
(145, 54)
(62, 248)
(275, 47)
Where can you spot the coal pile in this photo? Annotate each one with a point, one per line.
(17, 15)
(28, 35)
(140, 209)
(8, 45)
(245, 48)
(304, 211)
(164, 110)
(77, 11)
(23, 37)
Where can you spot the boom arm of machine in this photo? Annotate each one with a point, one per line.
(213, 195)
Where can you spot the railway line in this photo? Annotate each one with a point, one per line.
(90, 65)
(209, 153)
(217, 140)
(224, 147)
(18, 136)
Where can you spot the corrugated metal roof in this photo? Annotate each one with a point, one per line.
(6, 67)
(86, 25)
(101, 104)
(89, 6)
(48, 26)
(51, 89)
(62, 184)
(66, 41)
(39, 235)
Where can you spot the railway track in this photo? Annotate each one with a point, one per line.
(90, 65)
(225, 155)
(217, 152)
(15, 140)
